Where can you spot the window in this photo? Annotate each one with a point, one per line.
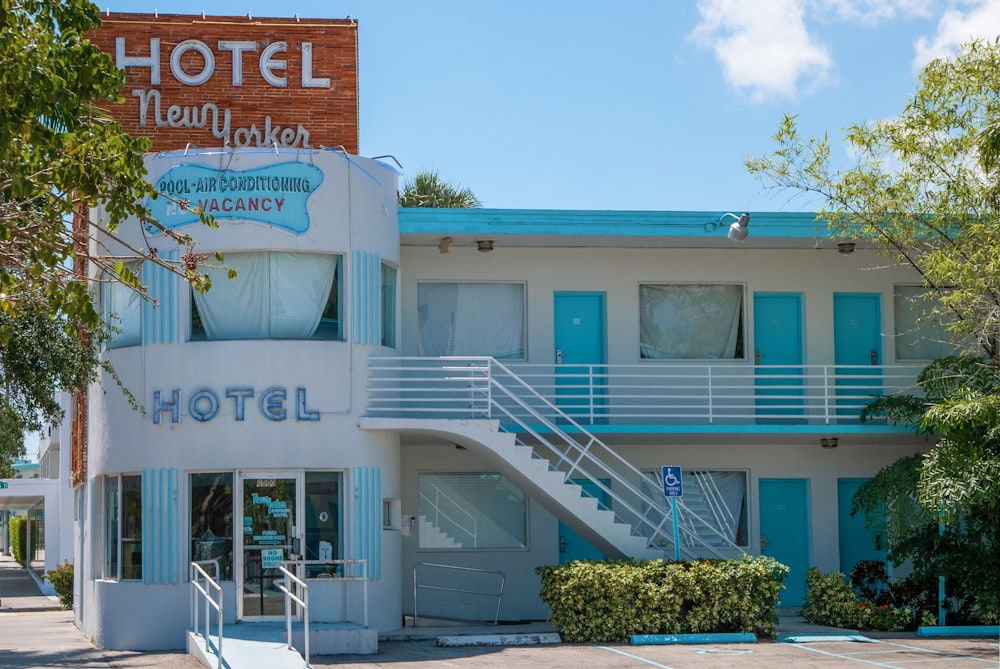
(691, 321)
(275, 296)
(212, 522)
(123, 527)
(324, 539)
(471, 510)
(471, 319)
(717, 506)
(388, 306)
(123, 311)
(919, 336)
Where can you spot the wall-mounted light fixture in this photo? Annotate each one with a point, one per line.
(737, 230)
(829, 442)
(484, 245)
(845, 247)
(445, 244)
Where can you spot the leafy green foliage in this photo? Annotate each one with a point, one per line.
(427, 189)
(61, 155)
(918, 191)
(61, 579)
(829, 599)
(19, 548)
(597, 601)
(869, 601)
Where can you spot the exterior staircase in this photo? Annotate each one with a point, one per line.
(480, 404)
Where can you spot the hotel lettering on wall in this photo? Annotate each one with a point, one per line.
(275, 403)
(235, 81)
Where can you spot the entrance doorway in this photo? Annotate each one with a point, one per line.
(268, 538)
(580, 341)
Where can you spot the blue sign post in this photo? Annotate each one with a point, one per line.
(673, 488)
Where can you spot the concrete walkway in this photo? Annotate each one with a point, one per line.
(22, 590)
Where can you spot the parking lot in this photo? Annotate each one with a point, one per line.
(893, 653)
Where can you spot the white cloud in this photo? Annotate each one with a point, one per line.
(957, 27)
(873, 12)
(763, 46)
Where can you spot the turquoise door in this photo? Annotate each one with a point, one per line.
(856, 542)
(777, 327)
(857, 344)
(580, 355)
(784, 531)
(571, 545)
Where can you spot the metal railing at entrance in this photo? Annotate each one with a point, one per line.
(295, 590)
(429, 565)
(205, 586)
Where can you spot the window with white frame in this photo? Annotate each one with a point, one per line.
(471, 510)
(691, 321)
(471, 319)
(123, 527)
(276, 295)
(716, 506)
(919, 334)
(388, 306)
(123, 310)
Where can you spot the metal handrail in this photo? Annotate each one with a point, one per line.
(209, 583)
(498, 595)
(363, 578)
(300, 595)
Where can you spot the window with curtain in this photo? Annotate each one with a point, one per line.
(471, 319)
(388, 306)
(471, 510)
(276, 295)
(123, 311)
(919, 336)
(691, 321)
(719, 498)
(123, 527)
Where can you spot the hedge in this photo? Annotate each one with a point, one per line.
(608, 602)
(18, 528)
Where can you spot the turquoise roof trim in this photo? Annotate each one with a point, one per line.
(498, 222)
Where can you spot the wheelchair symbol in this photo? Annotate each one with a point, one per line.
(670, 479)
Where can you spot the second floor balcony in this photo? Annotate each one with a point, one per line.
(700, 397)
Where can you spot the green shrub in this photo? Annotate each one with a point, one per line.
(603, 602)
(61, 579)
(829, 600)
(18, 528)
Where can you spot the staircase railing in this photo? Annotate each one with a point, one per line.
(477, 387)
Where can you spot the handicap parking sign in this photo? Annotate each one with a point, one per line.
(672, 486)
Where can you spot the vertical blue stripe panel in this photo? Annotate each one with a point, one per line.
(159, 519)
(367, 518)
(366, 308)
(159, 319)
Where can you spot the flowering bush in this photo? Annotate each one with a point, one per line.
(884, 618)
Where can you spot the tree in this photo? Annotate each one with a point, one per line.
(918, 192)
(924, 191)
(427, 189)
(61, 155)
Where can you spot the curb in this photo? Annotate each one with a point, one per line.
(959, 630)
(499, 639)
(722, 637)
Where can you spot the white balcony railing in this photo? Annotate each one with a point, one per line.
(640, 394)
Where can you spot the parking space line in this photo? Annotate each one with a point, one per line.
(937, 656)
(635, 657)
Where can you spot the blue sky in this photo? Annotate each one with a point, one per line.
(643, 104)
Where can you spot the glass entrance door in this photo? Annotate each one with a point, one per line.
(269, 523)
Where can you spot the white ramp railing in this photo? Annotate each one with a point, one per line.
(204, 586)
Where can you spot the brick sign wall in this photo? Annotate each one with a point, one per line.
(235, 81)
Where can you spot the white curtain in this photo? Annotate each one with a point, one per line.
(123, 310)
(275, 295)
(729, 489)
(300, 286)
(471, 319)
(917, 336)
(690, 321)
